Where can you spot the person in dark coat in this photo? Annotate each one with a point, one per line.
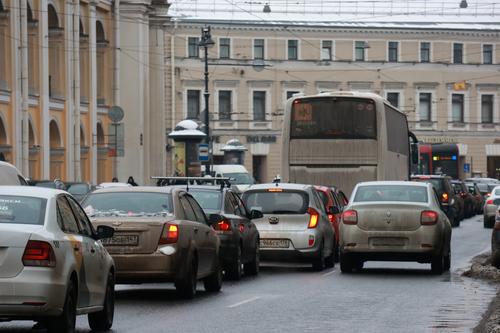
(131, 181)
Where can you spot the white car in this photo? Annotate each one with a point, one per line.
(490, 207)
(113, 184)
(52, 264)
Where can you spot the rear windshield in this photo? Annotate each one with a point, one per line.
(497, 191)
(208, 200)
(285, 202)
(333, 118)
(391, 193)
(22, 210)
(457, 187)
(78, 189)
(436, 182)
(472, 189)
(128, 204)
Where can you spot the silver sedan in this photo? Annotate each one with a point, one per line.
(394, 221)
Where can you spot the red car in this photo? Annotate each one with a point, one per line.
(334, 202)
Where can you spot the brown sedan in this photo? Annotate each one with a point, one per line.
(161, 235)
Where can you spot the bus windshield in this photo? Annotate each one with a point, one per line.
(333, 118)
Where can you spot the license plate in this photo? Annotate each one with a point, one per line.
(388, 241)
(274, 243)
(127, 240)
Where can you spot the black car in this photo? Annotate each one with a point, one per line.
(450, 201)
(239, 236)
(478, 197)
(462, 190)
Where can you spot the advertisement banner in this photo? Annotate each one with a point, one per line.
(180, 159)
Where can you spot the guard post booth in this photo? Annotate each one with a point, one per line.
(187, 138)
(234, 152)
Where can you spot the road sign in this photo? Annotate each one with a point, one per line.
(203, 152)
(466, 167)
(115, 114)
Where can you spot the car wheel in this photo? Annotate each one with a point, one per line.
(187, 287)
(67, 320)
(495, 259)
(488, 222)
(213, 283)
(252, 268)
(437, 264)
(103, 320)
(318, 263)
(234, 268)
(345, 263)
(447, 261)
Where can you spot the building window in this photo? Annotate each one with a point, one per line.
(224, 48)
(458, 49)
(487, 54)
(393, 98)
(326, 50)
(486, 109)
(225, 104)
(393, 51)
(258, 49)
(259, 105)
(425, 103)
(293, 49)
(290, 93)
(193, 104)
(457, 108)
(193, 50)
(359, 50)
(425, 52)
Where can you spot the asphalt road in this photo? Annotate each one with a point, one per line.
(384, 297)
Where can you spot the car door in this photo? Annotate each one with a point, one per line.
(246, 227)
(324, 222)
(94, 256)
(73, 242)
(191, 226)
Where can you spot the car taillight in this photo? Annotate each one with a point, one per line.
(489, 202)
(331, 218)
(463, 194)
(444, 197)
(169, 234)
(314, 218)
(38, 253)
(350, 217)
(223, 225)
(428, 217)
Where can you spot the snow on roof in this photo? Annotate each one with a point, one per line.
(444, 14)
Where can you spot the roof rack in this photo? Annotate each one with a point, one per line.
(174, 180)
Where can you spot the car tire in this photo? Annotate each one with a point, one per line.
(66, 321)
(447, 261)
(318, 263)
(489, 222)
(437, 264)
(345, 263)
(495, 259)
(233, 270)
(187, 287)
(213, 283)
(103, 320)
(252, 267)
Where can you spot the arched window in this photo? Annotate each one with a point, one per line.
(99, 31)
(56, 54)
(1, 6)
(55, 135)
(82, 30)
(31, 134)
(53, 19)
(29, 13)
(3, 133)
(100, 136)
(101, 63)
(82, 137)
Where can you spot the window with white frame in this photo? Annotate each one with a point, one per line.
(193, 104)
(425, 106)
(487, 54)
(225, 103)
(359, 50)
(259, 105)
(393, 98)
(458, 53)
(258, 49)
(293, 49)
(224, 48)
(393, 51)
(457, 108)
(487, 109)
(193, 50)
(425, 52)
(290, 93)
(326, 50)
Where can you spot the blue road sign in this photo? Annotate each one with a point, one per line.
(466, 167)
(203, 152)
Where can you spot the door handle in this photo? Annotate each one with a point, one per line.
(195, 230)
(92, 250)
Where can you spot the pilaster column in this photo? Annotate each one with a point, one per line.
(93, 89)
(44, 101)
(69, 87)
(76, 90)
(24, 88)
(16, 94)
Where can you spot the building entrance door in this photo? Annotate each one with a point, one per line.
(494, 167)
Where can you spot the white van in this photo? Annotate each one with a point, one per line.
(9, 175)
(241, 178)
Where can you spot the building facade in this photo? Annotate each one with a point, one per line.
(442, 75)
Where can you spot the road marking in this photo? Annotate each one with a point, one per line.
(328, 273)
(244, 302)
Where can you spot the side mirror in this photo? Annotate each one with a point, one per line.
(104, 231)
(333, 210)
(256, 214)
(214, 218)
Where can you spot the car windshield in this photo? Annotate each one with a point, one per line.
(22, 210)
(436, 182)
(402, 193)
(208, 200)
(496, 192)
(282, 202)
(78, 189)
(128, 204)
(240, 178)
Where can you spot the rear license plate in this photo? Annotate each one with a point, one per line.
(274, 243)
(127, 240)
(388, 241)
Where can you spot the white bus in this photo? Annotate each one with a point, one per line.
(343, 138)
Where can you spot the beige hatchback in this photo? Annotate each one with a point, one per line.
(161, 235)
(394, 221)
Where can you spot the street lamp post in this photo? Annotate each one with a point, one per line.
(206, 42)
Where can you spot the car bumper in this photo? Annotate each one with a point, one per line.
(34, 285)
(298, 249)
(228, 249)
(489, 211)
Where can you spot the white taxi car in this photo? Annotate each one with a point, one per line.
(52, 264)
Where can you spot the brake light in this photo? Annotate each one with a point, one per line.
(489, 202)
(169, 234)
(275, 189)
(487, 194)
(223, 225)
(445, 197)
(350, 217)
(38, 253)
(428, 217)
(463, 194)
(331, 218)
(313, 219)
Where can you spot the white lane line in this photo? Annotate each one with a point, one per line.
(328, 273)
(244, 302)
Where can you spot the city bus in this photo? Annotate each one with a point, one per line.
(342, 138)
(439, 159)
